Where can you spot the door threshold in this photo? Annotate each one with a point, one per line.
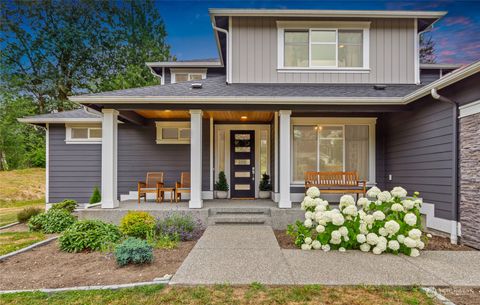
(243, 198)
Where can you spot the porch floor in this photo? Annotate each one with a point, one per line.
(183, 205)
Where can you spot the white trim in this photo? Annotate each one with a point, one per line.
(326, 13)
(196, 201)
(416, 47)
(59, 120)
(258, 128)
(70, 140)
(229, 51)
(341, 121)
(275, 126)
(211, 154)
(109, 158)
(469, 109)
(440, 224)
(185, 64)
(47, 163)
(310, 26)
(180, 125)
(285, 159)
(162, 80)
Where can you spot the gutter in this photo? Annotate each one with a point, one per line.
(454, 231)
(227, 50)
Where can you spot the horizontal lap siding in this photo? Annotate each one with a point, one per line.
(254, 53)
(418, 152)
(74, 169)
(138, 154)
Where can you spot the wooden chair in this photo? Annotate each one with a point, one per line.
(153, 182)
(336, 182)
(183, 186)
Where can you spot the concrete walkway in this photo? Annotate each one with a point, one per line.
(245, 254)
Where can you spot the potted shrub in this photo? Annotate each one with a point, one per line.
(265, 187)
(221, 186)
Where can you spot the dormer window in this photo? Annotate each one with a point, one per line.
(323, 45)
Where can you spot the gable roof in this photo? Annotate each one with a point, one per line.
(70, 116)
(215, 91)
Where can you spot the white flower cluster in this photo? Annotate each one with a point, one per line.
(387, 223)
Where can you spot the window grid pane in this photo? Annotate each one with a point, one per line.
(296, 49)
(357, 150)
(304, 151)
(331, 148)
(350, 48)
(79, 133)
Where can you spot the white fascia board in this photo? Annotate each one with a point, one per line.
(327, 13)
(191, 64)
(59, 120)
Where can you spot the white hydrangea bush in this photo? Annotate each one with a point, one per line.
(382, 222)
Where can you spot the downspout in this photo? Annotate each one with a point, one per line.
(455, 170)
(226, 49)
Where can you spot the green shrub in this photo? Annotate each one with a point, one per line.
(137, 224)
(54, 221)
(68, 205)
(133, 251)
(165, 242)
(91, 235)
(265, 183)
(96, 196)
(221, 184)
(27, 213)
(179, 226)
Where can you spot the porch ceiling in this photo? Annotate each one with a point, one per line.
(223, 116)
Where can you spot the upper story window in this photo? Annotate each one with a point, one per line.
(83, 134)
(182, 75)
(323, 45)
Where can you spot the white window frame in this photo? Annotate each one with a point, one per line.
(89, 140)
(189, 72)
(332, 121)
(310, 26)
(179, 125)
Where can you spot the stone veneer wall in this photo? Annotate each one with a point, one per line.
(470, 179)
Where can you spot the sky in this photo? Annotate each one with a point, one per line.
(457, 35)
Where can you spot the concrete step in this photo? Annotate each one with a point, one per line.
(226, 211)
(239, 219)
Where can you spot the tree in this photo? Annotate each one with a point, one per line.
(427, 50)
(53, 49)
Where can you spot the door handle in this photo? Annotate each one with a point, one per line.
(253, 173)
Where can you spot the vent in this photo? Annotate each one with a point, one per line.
(196, 86)
(380, 87)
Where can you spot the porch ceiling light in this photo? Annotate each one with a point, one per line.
(243, 117)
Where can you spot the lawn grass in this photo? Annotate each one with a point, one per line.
(20, 189)
(9, 210)
(13, 241)
(224, 294)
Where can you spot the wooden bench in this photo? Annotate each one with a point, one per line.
(336, 182)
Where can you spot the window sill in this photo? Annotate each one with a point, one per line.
(82, 142)
(320, 70)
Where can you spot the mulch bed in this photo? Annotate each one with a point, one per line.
(436, 243)
(48, 267)
(462, 296)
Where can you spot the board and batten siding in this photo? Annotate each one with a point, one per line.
(419, 151)
(74, 169)
(254, 53)
(138, 154)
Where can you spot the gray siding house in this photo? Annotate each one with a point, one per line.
(308, 90)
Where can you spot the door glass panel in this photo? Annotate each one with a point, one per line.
(169, 133)
(242, 187)
(241, 136)
(242, 174)
(242, 161)
(242, 149)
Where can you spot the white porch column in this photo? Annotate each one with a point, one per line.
(284, 173)
(195, 159)
(109, 158)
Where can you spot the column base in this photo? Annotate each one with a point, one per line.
(285, 204)
(195, 204)
(110, 204)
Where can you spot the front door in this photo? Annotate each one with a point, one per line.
(242, 163)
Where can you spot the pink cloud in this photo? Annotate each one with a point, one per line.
(460, 20)
(447, 53)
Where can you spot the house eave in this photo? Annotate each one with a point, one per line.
(195, 64)
(327, 13)
(59, 120)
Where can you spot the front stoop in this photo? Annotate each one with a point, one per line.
(239, 215)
